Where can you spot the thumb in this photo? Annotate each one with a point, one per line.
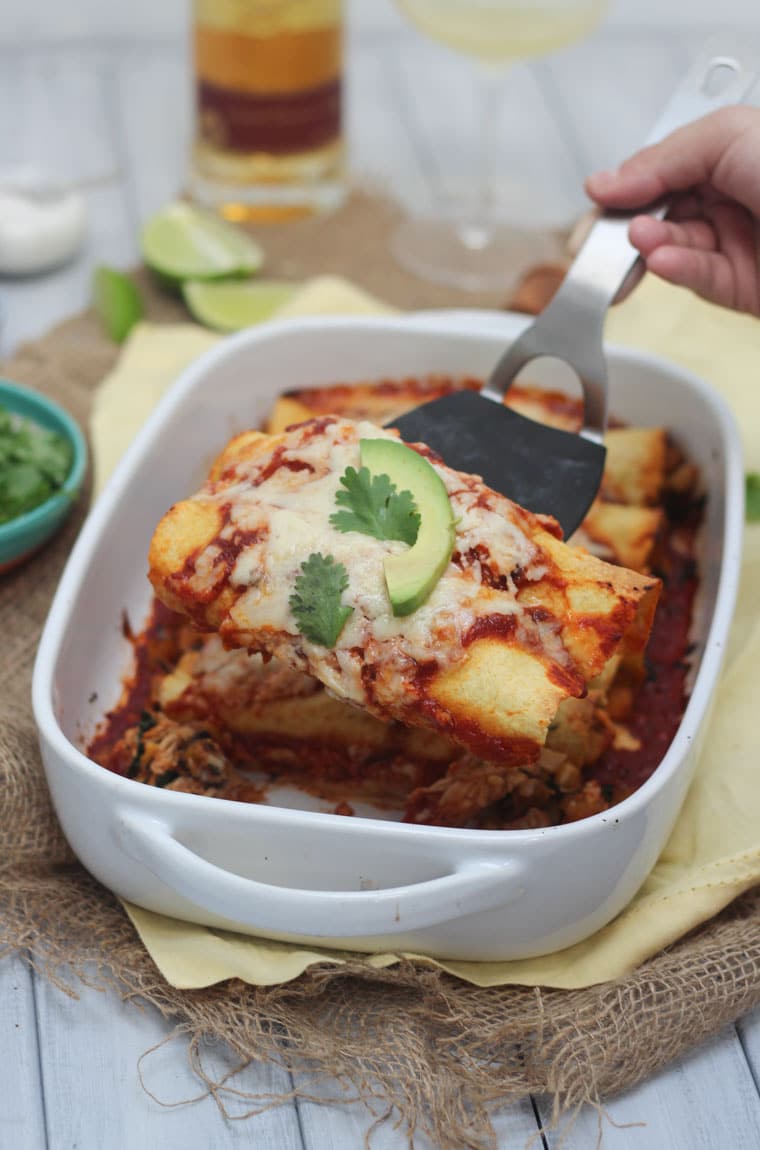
(714, 150)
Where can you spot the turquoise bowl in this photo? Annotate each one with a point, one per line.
(20, 537)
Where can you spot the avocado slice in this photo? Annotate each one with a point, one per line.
(411, 577)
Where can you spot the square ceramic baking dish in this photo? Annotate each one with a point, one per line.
(368, 883)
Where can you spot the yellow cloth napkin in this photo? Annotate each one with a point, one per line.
(714, 852)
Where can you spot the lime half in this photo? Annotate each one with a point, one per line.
(117, 302)
(183, 242)
(230, 305)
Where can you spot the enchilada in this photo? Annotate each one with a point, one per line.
(516, 623)
(250, 719)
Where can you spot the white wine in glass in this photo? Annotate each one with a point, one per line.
(478, 252)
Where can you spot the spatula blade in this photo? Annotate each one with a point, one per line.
(546, 470)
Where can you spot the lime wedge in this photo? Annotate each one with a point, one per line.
(183, 242)
(230, 305)
(117, 302)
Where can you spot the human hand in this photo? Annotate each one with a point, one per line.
(710, 172)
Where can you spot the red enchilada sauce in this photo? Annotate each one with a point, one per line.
(661, 698)
(156, 648)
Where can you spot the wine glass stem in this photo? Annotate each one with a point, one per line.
(476, 232)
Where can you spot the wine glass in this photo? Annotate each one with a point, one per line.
(479, 252)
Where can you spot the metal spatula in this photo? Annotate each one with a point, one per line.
(539, 467)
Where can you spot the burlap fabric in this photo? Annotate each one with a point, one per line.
(414, 1043)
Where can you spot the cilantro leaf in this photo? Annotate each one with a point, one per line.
(375, 507)
(34, 463)
(316, 599)
(752, 494)
(53, 456)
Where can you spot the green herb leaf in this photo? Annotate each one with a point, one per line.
(53, 457)
(316, 599)
(146, 722)
(752, 495)
(375, 507)
(166, 777)
(34, 463)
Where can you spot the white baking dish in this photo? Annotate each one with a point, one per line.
(365, 883)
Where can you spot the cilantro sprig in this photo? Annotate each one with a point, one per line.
(34, 463)
(752, 497)
(315, 601)
(373, 505)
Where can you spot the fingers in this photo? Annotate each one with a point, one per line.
(737, 238)
(710, 173)
(703, 152)
(716, 257)
(646, 234)
(709, 274)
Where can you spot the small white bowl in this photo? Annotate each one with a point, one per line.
(42, 223)
(366, 883)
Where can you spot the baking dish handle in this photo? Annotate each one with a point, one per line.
(474, 887)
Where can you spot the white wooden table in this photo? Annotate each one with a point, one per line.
(97, 91)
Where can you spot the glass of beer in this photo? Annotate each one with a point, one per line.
(477, 251)
(268, 92)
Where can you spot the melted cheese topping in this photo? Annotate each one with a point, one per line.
(287, 514)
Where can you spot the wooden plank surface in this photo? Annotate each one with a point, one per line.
(22, 1120)
(89, 1052)
(87, 90)
(704, 1101)
(748, 1029)
(329, 1126)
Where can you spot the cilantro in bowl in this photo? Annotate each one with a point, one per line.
(34, 464)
